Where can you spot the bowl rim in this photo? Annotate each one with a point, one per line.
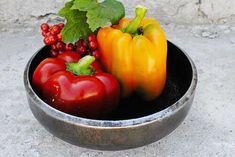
(110, 124)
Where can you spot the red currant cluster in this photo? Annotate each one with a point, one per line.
(84, 47)
(52, 37)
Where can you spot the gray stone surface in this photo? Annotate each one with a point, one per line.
(27, 13)
(208, 130)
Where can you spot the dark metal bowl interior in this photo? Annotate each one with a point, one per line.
(135, 123)
(179, 77)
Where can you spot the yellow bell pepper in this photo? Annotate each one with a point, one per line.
(135, 52)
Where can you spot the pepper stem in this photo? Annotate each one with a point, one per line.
(82, 67)
(140, 13)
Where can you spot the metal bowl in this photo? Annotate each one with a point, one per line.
(135, 123)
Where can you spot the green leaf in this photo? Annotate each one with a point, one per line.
(84, 5)
(76, 26)
(66, 10)
(84, 17)
(100, 14)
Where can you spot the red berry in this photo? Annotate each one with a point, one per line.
(55, 29)
(81, 50)
(44, 33)
(60, 52)
(59, 37)
(77, 44)
(96, 54)
(60, 45)
(52, 39)
(69, 47)
(45, 27)
(61, 25)
(54, 53)
(53, 47)
(48, 34)
(84, 43)
(93, 45)
(47, 41)
(92, 37)
(81, 42)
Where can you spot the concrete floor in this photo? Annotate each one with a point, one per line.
(208, 130)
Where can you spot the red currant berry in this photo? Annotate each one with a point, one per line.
(96, 54)
(61, 25)
(52, 39)
(81, 42)
(92, 37)
(69, 47)
(84, 43)
(48, 34)
(47, 41)
(45, 27)
(60, 52)
(77, 44)
(55, 29)
(59, 37)
(81, 50)
(93, 45)
(54, 47)
(44, 33)
(60, 45)
(54, 53)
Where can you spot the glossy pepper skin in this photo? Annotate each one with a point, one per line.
(49, 66)
(136, 53)
(76, 86)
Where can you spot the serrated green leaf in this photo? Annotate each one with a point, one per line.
(84, 17)
(66, 9)
(84, 5)
(100, 14)
(114, 10)
(75, 26)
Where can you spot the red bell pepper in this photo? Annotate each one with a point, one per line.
(77, 87)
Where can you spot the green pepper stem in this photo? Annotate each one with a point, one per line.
(82, 67)
(140, 13)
